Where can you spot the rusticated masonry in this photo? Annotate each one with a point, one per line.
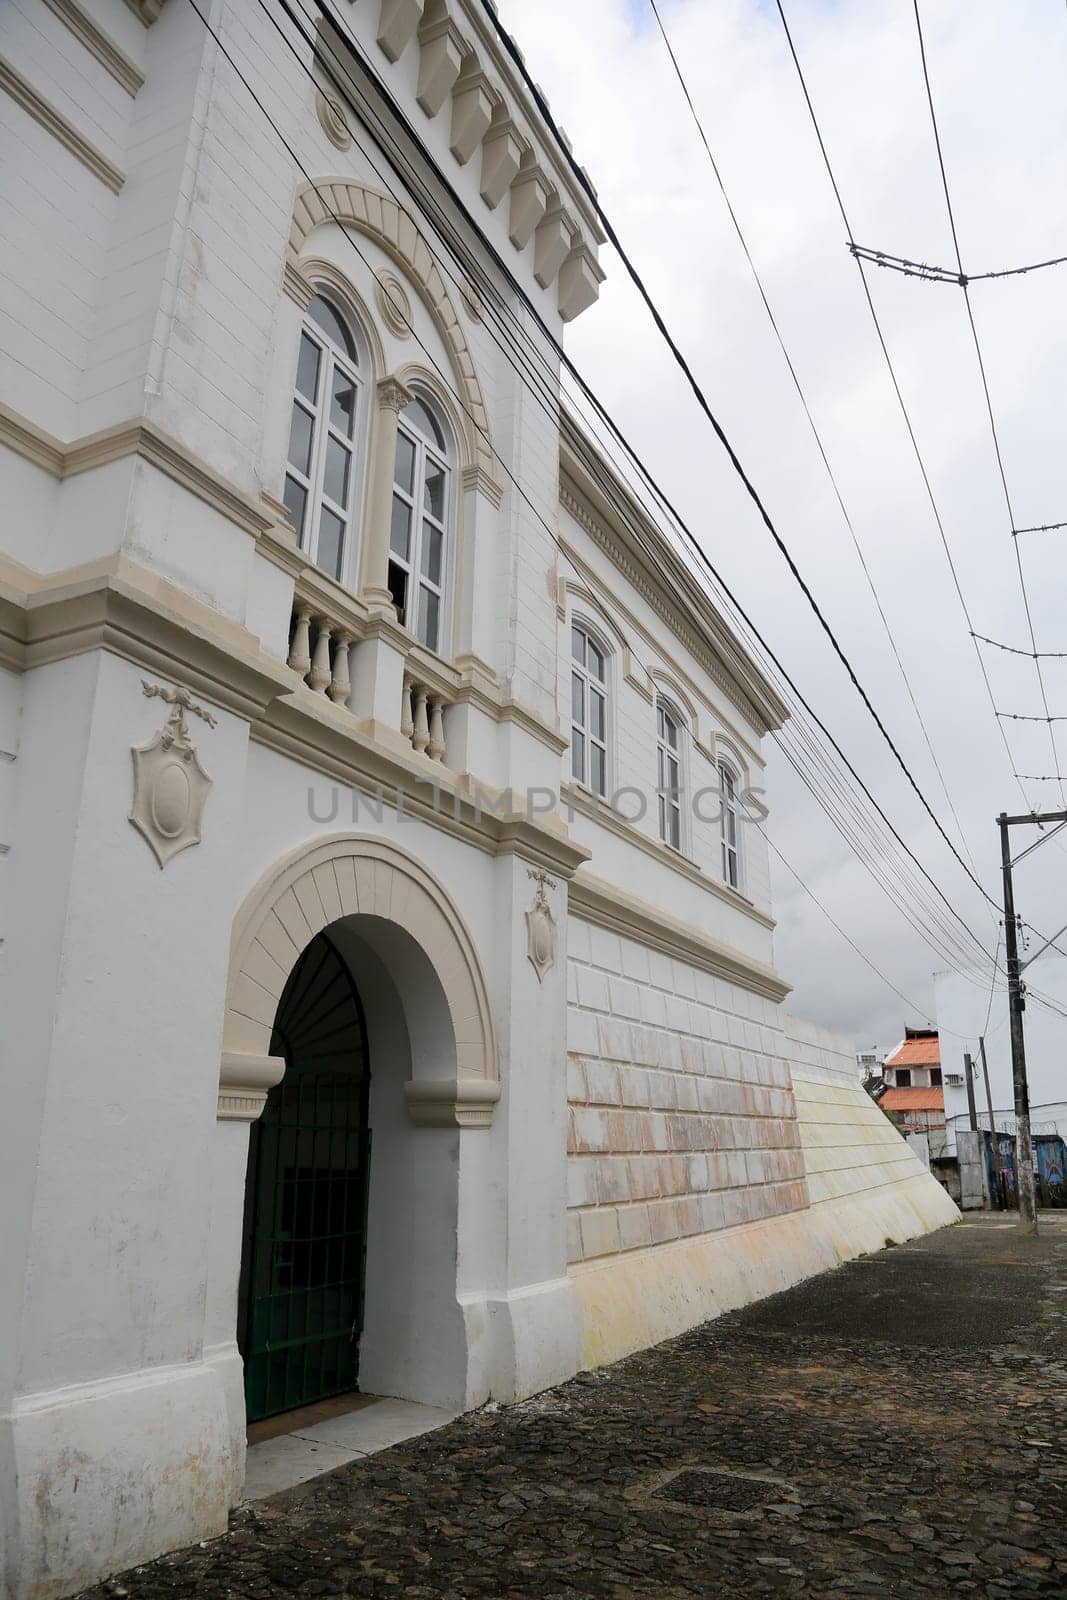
(682, 1115)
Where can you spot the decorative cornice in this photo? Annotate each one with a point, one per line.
(572, 795)
(54, 122)
(74, 15)
(139, 437)
(244, 1083)
(593, 900)
(116, 605)
(451, 1102)
(475, 477)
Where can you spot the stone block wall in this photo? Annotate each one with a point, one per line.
(682, 1116)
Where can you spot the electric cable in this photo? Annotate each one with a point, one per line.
(903, 406)
(988, 400)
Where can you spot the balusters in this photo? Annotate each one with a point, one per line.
(422, 719)
(341, 682)
(300, 649)
(318, 653)
(320, 675)
(420, 738)
(436, 747)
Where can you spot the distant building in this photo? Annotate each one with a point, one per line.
(965, 1009)
(869, 1063)
(914, 1096)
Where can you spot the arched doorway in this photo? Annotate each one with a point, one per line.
(305, 1228)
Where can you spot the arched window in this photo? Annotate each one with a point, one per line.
(729, 826)
(321, 481)
(420, 530)
(589, 711)
(669, 773)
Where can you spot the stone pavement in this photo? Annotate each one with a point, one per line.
(894, 1428)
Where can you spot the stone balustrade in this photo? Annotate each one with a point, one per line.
(319, 647)
(422, 718)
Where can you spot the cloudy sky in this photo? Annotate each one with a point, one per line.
(997, 71)
(997, 74)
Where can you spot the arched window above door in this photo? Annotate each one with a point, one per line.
(421, 531)
(326, 439)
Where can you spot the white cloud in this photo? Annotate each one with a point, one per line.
(997, 76)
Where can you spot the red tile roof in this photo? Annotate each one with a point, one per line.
(916, 1053)
(913, 1100)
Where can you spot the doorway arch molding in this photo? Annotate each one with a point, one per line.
(358, 875)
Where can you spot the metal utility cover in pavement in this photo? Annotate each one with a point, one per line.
(717, 1491)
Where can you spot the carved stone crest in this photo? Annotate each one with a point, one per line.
(169, 784)
(541, 926)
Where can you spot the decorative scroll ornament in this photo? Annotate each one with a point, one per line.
(541, 926)
(169, 784)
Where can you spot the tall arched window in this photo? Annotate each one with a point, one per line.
(322, 477)
(420, 530)
(669, 772)
(729, 826)
(589, 711)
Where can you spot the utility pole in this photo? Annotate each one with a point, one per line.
(994, 1147)
(972, 1114)
(1024, 1151)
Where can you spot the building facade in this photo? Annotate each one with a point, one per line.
(914, 1095)
(388, 956)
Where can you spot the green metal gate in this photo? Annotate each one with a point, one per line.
(301, 1292)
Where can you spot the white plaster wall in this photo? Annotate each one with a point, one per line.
(641, 649)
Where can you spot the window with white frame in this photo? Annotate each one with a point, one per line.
(589, 711)
(669, 765)
(420, 530)
(322, 477)
(729, 826)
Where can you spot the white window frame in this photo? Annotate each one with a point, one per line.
(332, 361)
(670, 806)
(594, 686)
(426, 454)
(730, 826)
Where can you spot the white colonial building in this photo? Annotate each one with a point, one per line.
(326, 641)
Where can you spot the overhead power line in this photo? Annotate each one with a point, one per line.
(735, 462)
(1031, 655)
(445, 377)
(932, 274)
(985, 391)
(356, 60)
(939, 523)
(811, 420)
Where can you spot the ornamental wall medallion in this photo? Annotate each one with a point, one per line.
(541, 927)
(169, 784)
(332, 120)
(393, 302)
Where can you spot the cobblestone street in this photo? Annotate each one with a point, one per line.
(898, 1427)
